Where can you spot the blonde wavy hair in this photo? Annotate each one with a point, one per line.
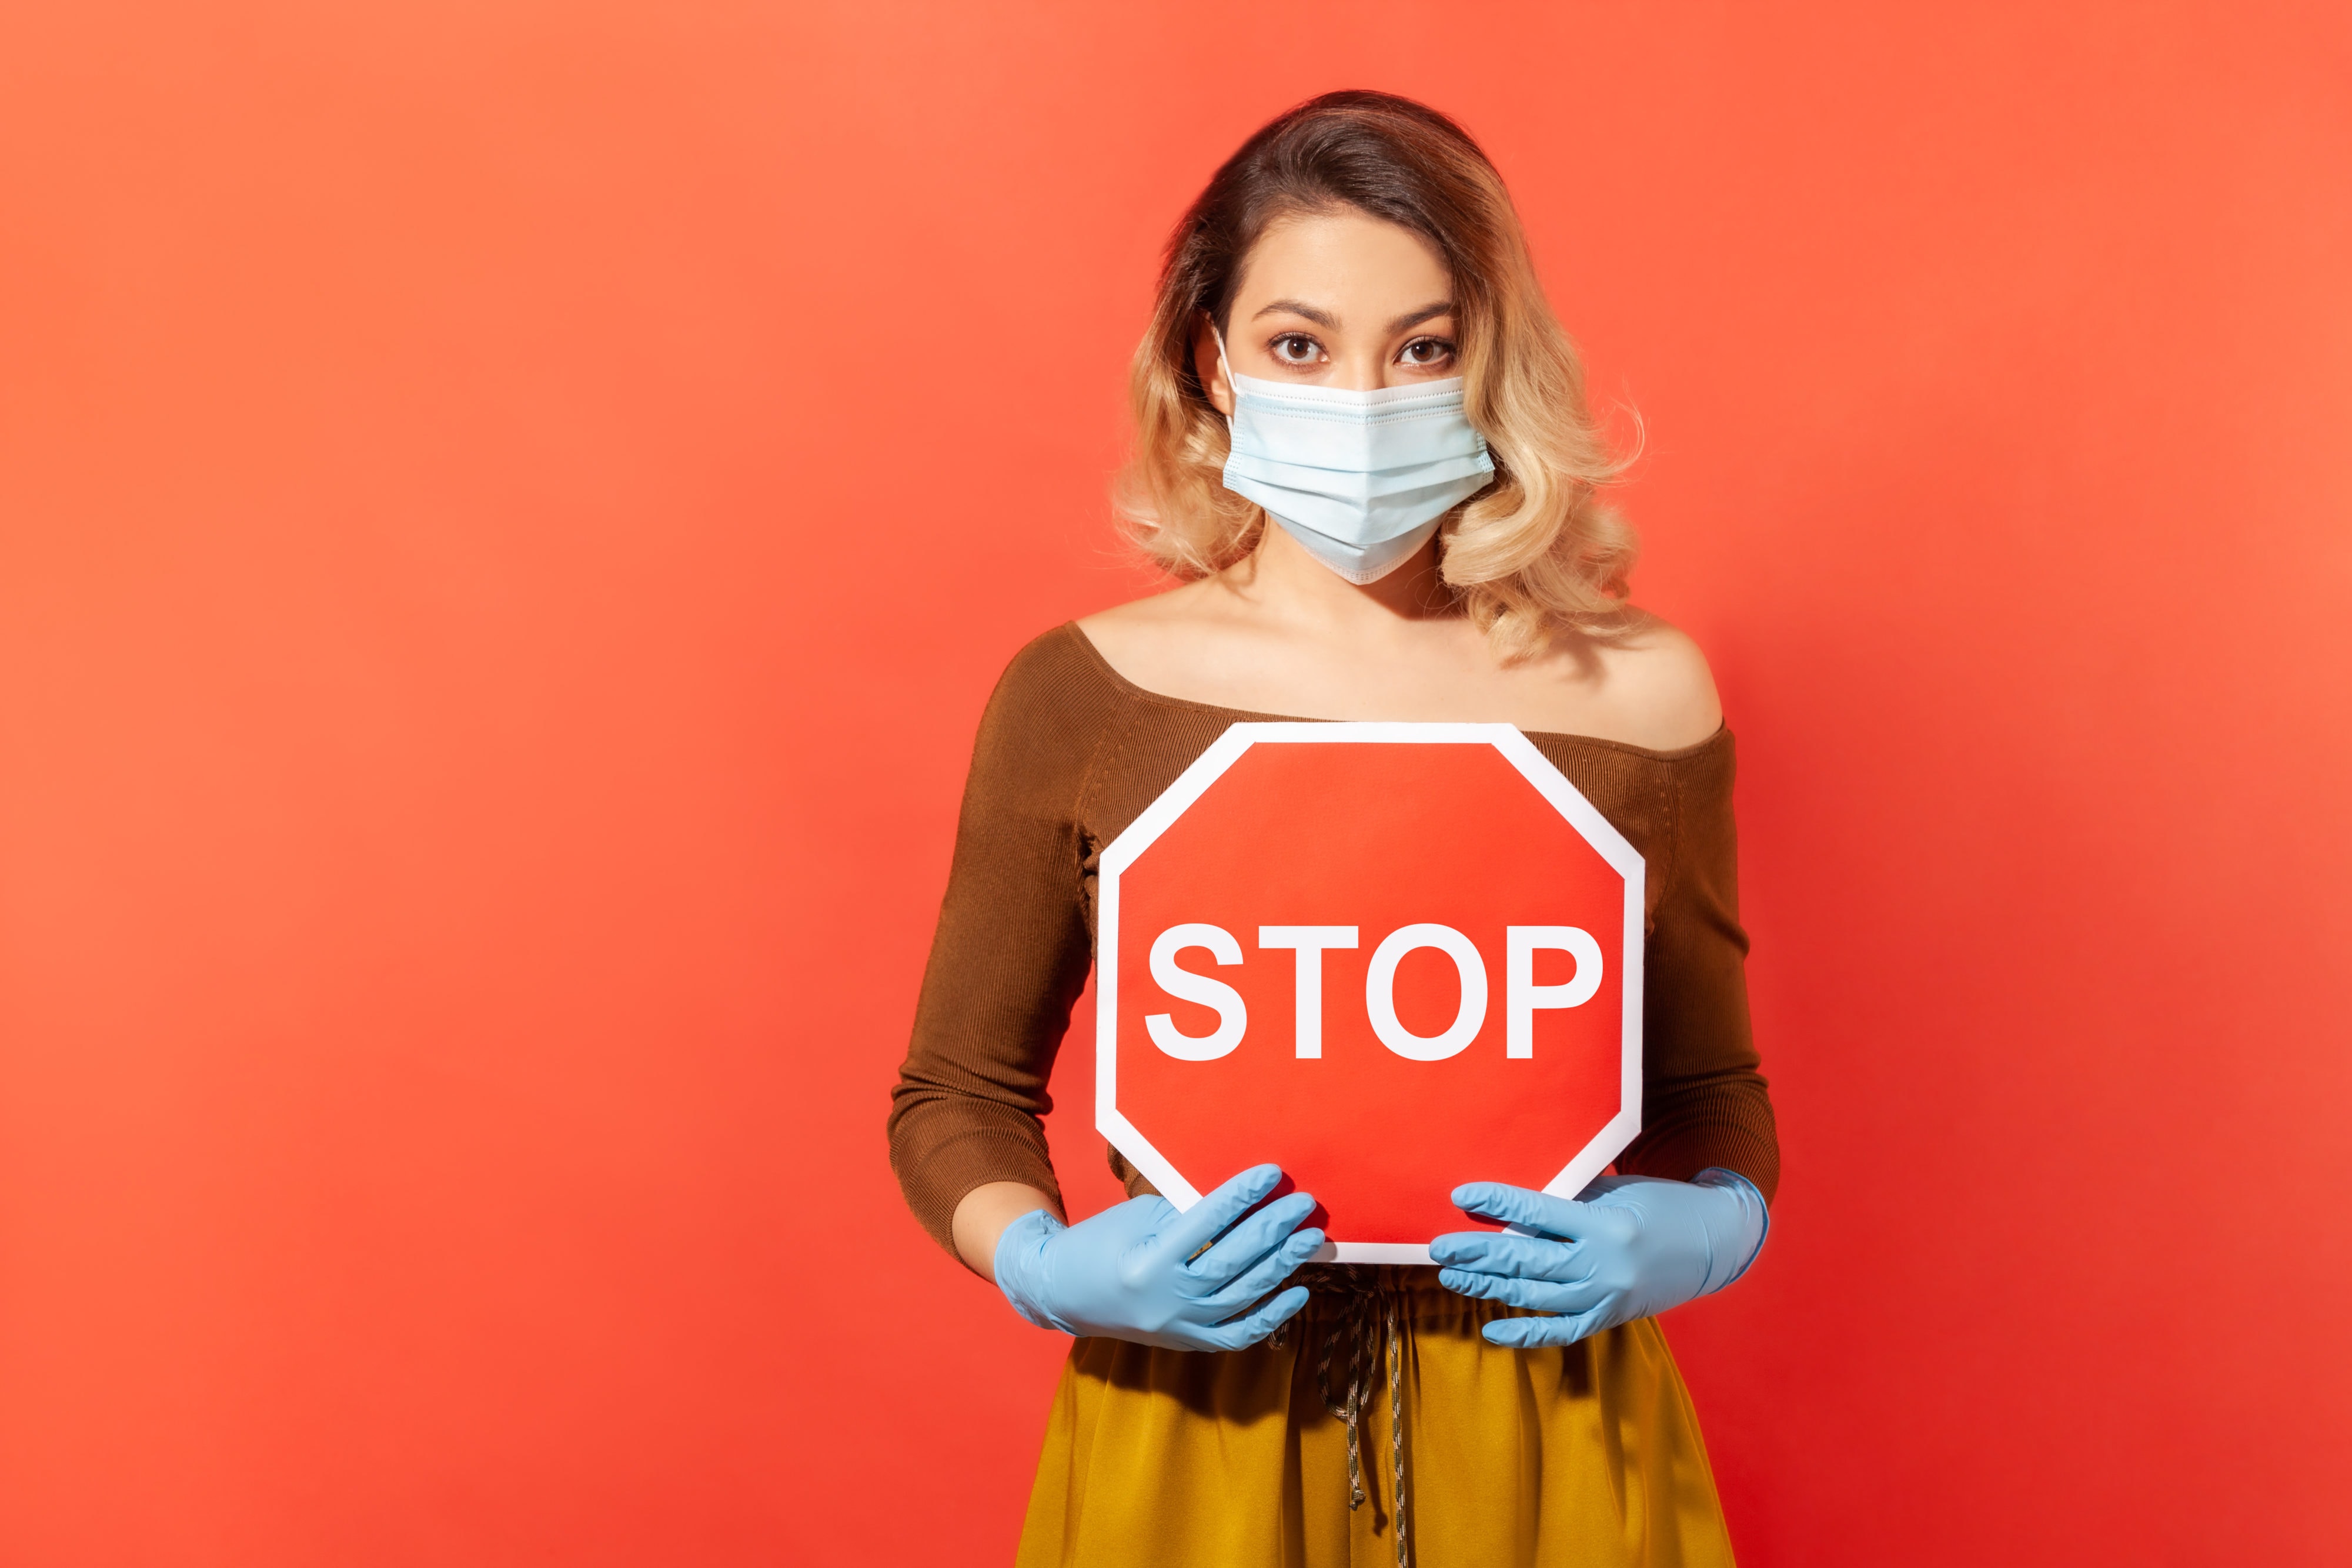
(1536, 552)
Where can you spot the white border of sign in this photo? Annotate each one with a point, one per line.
(1157, 818)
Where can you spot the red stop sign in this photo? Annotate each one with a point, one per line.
(1392, 958)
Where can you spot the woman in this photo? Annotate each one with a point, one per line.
(1362, 442)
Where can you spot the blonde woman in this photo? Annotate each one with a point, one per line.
(1363, 444)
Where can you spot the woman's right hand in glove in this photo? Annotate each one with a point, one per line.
(1131, 1272)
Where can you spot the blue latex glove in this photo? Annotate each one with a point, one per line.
(1130, 1272)
(1628, 1246)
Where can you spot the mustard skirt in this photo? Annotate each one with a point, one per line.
(1292, 1454)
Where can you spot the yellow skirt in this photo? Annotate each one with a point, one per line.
(1589, 1456)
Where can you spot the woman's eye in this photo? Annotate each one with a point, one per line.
(1426, 352)
(1295, 348)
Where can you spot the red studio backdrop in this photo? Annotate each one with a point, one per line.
(509, 513)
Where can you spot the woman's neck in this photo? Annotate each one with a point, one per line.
(1289, 584)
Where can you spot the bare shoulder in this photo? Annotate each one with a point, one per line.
(1153, 615)
(1156, 640)
(1137, 617)
(1646, 684)
(1652, 686)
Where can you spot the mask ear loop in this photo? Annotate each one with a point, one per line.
(1231, 390)
(1234, 392)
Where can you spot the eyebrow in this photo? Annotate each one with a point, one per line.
(1322, 318)
(1426, 313)
(1329, 322)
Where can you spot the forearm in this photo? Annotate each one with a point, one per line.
(985, 1213)
(1730, 1128)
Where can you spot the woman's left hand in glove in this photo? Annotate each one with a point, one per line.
(1627, 1247)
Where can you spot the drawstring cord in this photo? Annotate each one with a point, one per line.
(1371, 1333)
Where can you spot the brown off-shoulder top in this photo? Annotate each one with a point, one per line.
(1070, 752)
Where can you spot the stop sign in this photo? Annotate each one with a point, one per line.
(1392, 958)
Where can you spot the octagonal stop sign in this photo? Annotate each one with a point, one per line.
(1391, 957)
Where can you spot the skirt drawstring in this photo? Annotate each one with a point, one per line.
(1371, 1331)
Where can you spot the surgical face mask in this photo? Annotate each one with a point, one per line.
(1359, 479)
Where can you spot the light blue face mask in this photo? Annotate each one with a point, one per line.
(1360, 479)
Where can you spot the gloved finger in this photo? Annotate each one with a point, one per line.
(1601, 1186)
(1581, 1296)
(1519, 1206)
(1527, 1333)
(1523, 1256)
(1209, 1219)
(1558, 1217)
(1252, 1239)
(1270, 1270)
(1535, 1295)
(1245, 1332)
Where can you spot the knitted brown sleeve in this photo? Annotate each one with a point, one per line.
(1703, 1102)
(1011, 952)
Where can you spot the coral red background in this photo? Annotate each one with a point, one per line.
(508, 512)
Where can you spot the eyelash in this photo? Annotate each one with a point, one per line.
(1444, 345)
